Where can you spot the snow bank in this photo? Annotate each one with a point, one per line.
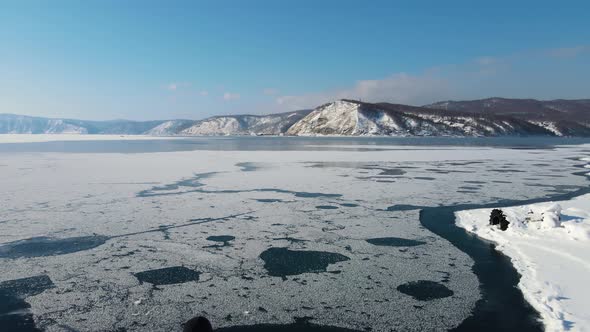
(35, 138)
(549, 244)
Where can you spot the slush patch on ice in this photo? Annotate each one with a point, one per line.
(175, 188)
(390, 171)
(425, 290)
(282, 262)
(223, 239)
(14, 313)
(26, 287)
(404, 207)
(326, 207)
(428, 178)
(338, 164)
(314, 195)
(469, 187)
(46, 246)
(249, 167)
(394, 242)
(194, 185)
(349, 204)
(290, 239)
(168, 276)
(269, 200)
(300, 325)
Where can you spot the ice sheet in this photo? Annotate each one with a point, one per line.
(273, 205)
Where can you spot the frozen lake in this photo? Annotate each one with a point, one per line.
(143, 235)
(145, 144)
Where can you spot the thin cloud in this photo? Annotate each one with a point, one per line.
(479, 77)
(231, 96)
(270, 91)
(568, 52)
(175, 86)
(204, 93)
(399, 88)
(486, 60)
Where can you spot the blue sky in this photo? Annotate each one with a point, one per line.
(191, 59)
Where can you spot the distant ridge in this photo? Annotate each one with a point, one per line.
(563, 117)
(271, 124)
(483, 117)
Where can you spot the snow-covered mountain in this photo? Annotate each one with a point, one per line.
(486, 117)
(349, 117)
(21, 124)
(170, 128)
(560, 116)
(272, 124)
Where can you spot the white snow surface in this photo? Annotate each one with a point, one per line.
(549, 244)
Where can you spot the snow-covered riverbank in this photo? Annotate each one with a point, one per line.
(549, 245)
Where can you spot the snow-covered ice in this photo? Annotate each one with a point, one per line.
(549, 244)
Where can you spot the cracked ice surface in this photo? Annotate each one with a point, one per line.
(156, 211)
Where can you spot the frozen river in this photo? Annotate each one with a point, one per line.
(143, 235)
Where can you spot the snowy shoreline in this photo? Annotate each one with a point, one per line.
(39, 138)
(549, 245)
